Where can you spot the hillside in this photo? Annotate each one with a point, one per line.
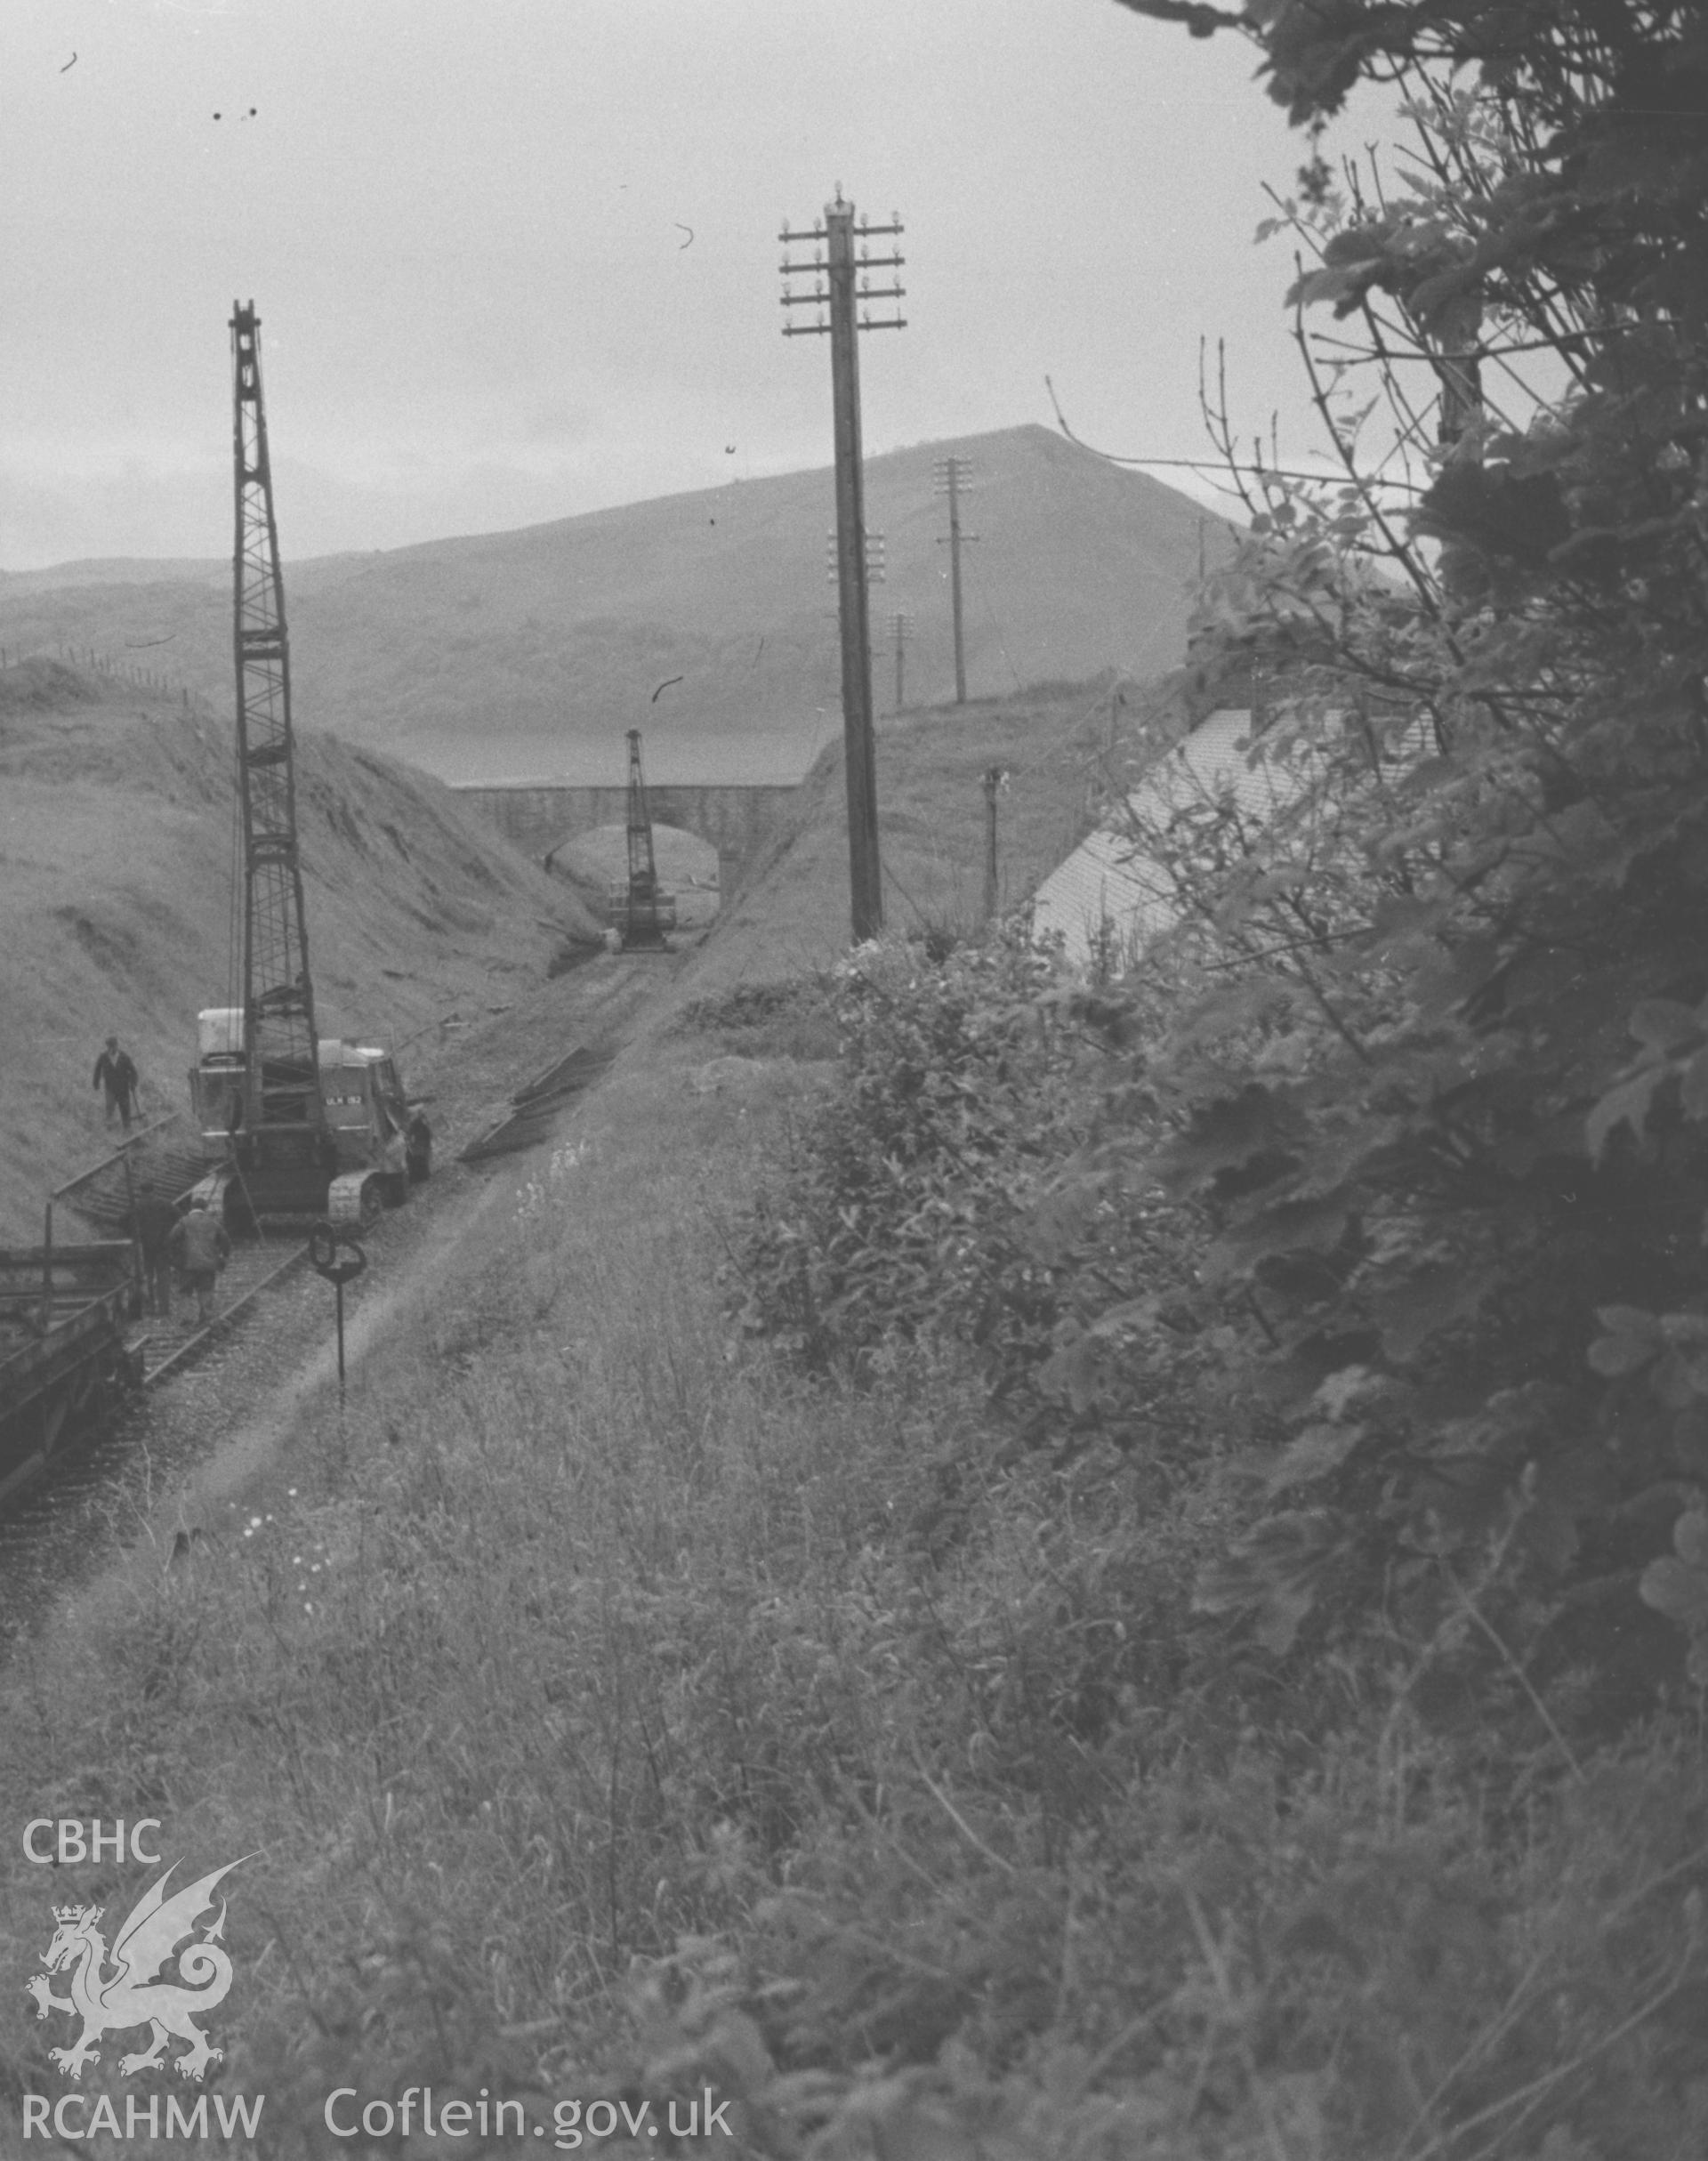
(524, 655)
(116, 822)
(1054, 746)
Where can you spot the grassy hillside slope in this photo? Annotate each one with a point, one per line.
(525, 655)
(1055, 748)
(116, 829)
(605, 1709)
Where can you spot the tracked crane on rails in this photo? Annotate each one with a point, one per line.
(640, 910)
(296, 1125)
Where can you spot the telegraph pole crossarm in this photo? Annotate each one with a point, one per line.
(841, 282)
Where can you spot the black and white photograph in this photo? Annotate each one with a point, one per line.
(854, 1080)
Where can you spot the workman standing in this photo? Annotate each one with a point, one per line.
(117, 1075)
(199, 1249)
(418, 1148)
(153, 1220)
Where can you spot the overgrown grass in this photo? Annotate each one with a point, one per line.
(608, 1710)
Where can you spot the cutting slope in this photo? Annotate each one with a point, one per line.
(524, 656)
(116, 890)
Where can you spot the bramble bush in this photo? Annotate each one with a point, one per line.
(1434, 1043)
(924, 1204)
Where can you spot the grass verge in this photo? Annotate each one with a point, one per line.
(607, 1712)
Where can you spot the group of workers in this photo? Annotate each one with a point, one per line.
(194, 1245)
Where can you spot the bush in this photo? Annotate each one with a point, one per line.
(925, 1205)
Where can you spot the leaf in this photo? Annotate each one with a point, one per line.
(1313, 1453)
(1226, 1134)
(1664, 1025)
(1320, 284)
(1625, 1105)
(1679, 1592)
(1291, 1226)
(1273, 1574)
(1346, 1385)
(1060, 1218)
(1634, 1339)
(1549, 1534)
(1409, 915)
(1631, 1320)
(1431, 1299)
(1078, 1373)
(1612, 1356)
(1132, 1314)
(1691, 1536)
(1677, 1380)
(1693, 1094)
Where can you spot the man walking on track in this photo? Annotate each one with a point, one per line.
(153, 1220)
(199, 1249)
(114, 1072)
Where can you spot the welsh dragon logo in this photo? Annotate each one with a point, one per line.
(134, 1995)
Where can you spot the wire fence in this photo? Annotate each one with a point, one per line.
(110, 667)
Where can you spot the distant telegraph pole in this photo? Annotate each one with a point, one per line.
(901, 625)
(951, 475)
(995, 777)
(839, 282)
(874, 568)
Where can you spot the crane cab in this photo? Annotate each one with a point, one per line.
(331, 1142)
(367, 1113)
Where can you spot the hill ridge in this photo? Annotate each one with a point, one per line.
(527, 654)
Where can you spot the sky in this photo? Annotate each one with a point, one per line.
(517, 258)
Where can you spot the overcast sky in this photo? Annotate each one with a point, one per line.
(517, 259)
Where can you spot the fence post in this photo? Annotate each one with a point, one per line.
(136, 1234)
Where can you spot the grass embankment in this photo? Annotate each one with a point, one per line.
(117, 872)
(585, 1635)
(590, 1635)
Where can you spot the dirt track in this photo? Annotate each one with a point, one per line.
(194, 1439)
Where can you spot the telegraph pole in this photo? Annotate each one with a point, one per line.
(874, 565)
(995, 776)
(951, 474)
(839, 283)
(902, 627)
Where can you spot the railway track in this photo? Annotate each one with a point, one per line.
(198, 1385)
(166, 1345)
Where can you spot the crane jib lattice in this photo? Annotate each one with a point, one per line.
(279, 1007)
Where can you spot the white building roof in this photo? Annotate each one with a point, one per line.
(1107, 893)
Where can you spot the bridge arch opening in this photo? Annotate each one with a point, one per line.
(686, 865)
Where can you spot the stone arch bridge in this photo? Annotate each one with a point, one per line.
(738, 820)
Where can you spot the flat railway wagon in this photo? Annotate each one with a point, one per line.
(64, 1362)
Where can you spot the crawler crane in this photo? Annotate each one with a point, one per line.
(639, 909)
(296, 1125)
